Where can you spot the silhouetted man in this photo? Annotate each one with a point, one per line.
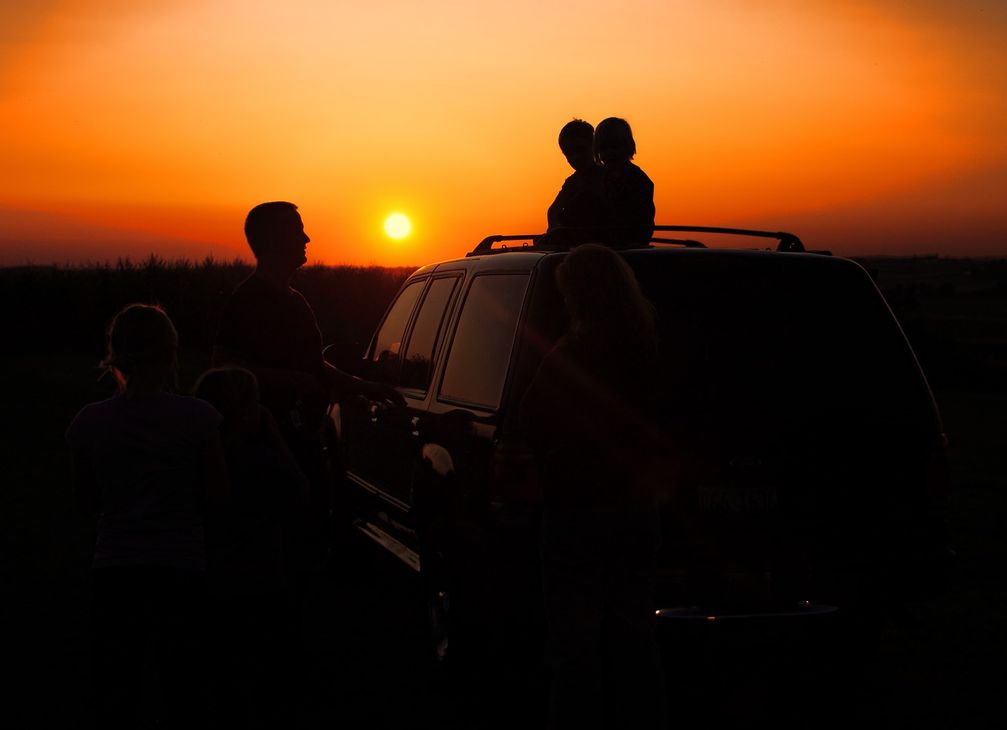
(578, 203)
(269, 328)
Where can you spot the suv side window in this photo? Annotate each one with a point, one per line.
(421, 352)
(480, 352)
(389, 340)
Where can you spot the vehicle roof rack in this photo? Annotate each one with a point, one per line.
(532, 242)
(486, 245)
(786, 241)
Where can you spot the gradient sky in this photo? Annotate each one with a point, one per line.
(136, 127)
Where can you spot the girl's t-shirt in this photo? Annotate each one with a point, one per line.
(147, 454)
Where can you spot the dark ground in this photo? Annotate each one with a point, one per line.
(939, 663)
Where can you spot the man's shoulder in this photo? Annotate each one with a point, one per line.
(251, 287)
(254, 296)
(256, 288)
(295, 294)
(240, 313)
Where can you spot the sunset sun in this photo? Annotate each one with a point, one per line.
(398, 226)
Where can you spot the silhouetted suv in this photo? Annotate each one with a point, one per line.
(805, 453)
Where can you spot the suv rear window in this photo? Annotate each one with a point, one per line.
(480, 351)
(750, 352)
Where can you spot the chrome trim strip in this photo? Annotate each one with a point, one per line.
(367, 486)
(389, 543)
(692, 613)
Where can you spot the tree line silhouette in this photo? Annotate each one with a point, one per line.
(62, 309)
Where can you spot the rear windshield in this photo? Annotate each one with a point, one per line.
(788, 344)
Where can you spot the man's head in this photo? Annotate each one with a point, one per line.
(575, 140)
(275, 233)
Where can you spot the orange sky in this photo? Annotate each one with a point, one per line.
(136, 127)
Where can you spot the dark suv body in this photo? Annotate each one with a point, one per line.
(804, 449)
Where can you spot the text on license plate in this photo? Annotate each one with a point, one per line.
(760, 499)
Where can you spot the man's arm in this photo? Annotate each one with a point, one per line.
(342, 385)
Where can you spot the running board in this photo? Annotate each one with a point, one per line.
(368, 487)
(389, 543)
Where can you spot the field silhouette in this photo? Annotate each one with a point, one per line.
(51, 309)
(954, 312)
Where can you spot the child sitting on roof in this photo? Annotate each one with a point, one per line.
(576, 212)
(627, 192)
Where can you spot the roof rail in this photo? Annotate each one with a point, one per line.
(486, 245)
(787, 241)
(687, 242)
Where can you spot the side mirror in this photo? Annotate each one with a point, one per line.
(347, 356)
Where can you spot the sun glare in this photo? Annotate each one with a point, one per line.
(398, 226)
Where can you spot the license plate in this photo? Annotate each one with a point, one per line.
(748, 500)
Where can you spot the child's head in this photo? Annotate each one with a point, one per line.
(613, 142)
(234, 392)
(575, 141)
(141, 344)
